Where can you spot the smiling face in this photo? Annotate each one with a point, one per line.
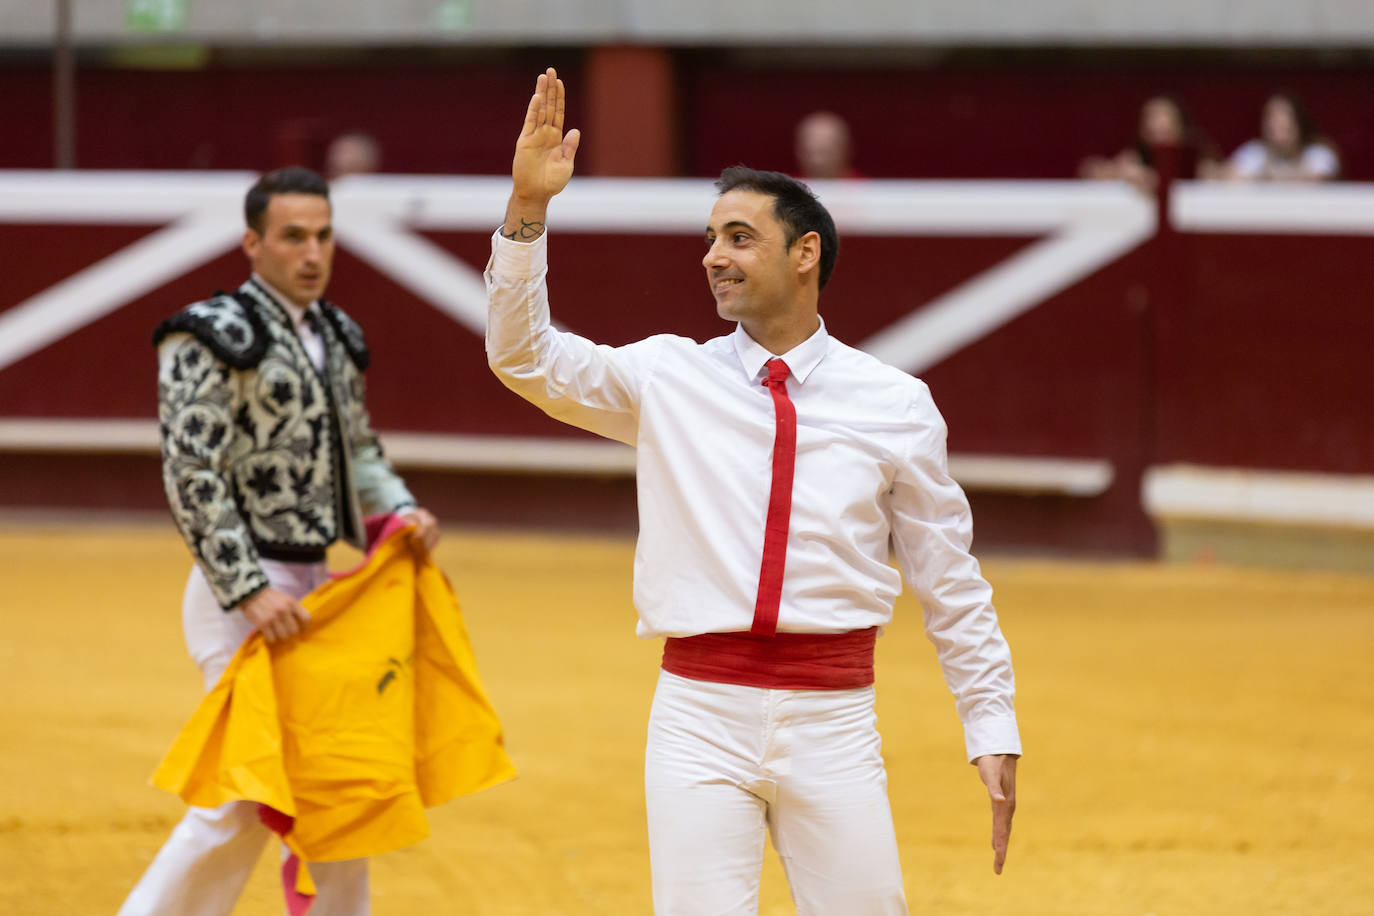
(752, 273)
(294, 252)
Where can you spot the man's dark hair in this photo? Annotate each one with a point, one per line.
(291, 180)
(794, 205)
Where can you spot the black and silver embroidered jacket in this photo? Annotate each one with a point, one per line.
(263, 455)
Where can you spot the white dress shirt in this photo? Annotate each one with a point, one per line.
(870, 477)
(310, 338)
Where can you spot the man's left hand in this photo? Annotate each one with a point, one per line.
(426, 527)
(998, 772)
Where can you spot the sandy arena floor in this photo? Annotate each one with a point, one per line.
(1198, 740)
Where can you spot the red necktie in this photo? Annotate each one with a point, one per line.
(779, 503)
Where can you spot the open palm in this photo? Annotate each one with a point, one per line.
(543, 155)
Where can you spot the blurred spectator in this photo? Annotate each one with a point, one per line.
(1165, 126)
(354, 153)
(823, 147)
(1289, 148)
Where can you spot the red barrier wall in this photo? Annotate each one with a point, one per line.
(1237, 349)
(1264, 361)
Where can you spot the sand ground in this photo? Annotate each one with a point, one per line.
(1199, 740)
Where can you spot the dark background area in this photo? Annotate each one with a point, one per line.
(987, 113)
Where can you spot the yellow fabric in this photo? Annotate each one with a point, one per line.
(357, 725)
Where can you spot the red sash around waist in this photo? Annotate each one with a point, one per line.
(784, 661)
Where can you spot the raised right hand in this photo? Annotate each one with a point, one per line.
(543, 161)
(275, 614)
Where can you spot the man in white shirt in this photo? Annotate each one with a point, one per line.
(776, 468)
(268, 457)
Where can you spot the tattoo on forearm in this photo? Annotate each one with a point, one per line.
(530, 229)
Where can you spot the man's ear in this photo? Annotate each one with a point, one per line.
(251, 243)
(808, 253)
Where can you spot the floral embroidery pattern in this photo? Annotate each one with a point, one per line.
(249, 457)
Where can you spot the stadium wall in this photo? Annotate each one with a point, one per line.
(1094, 361)
(991, 114)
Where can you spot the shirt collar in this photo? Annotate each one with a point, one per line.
(294, 311)
(800, 360)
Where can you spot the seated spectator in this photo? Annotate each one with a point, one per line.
(354, 153)
(1164, 125)
(1289, 148)
(823, 147)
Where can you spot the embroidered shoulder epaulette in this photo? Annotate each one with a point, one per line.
(350, 332)
(230, 328)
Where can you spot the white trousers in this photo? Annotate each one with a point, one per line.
(725, 762)
(203, 866)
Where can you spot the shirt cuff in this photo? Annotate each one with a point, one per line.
(991, 735)
(518, 258)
